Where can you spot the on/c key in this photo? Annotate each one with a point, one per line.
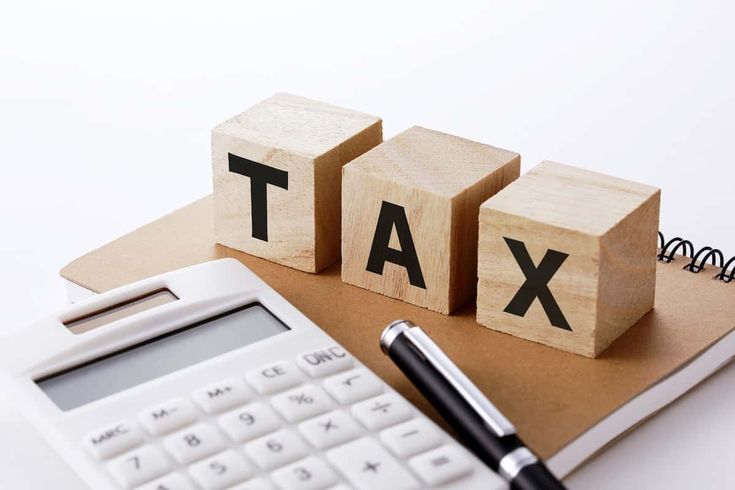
(324, 361)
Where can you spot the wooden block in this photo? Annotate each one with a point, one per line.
(567, 257)
(277, 178)
(409, 217)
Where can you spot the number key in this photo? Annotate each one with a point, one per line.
(172, 481)
(307, 474)
(194, 443)
(139, 466)
(221, 470)
(276, 449)
(249, 422)
(254, 484)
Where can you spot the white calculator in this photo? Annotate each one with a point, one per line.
(206, 378)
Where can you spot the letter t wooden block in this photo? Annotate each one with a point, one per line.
(567, 257)
(409, 215)
(277, 177)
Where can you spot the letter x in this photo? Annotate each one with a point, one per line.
(536, 284)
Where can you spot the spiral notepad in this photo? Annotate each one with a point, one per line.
(669, 249)
(593, 401)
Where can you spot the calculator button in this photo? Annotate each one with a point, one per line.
(367, 465)
(276, 449)
(113, 439)
(139, 466)
(194, 443)
(254, 484)
(222, 395)
(330, 429)
(221, 470)
(249, 422)
(172, 481)
(307, 474)
(274, 377)
(382, 411)
(412, 437)
(168, 416)
(441, 465)
(353, 386)
(321, 362)
(302, 403)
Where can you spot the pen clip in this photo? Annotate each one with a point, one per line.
(461, 383)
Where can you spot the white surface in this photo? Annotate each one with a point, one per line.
(105, 112)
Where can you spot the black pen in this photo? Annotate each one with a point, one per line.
(482, 427)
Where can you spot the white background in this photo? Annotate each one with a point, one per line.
(105, 113)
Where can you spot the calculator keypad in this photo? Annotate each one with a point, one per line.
(307, 424)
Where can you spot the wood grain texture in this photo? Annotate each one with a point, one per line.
(440, 181)
(607, 226)
(311, 141)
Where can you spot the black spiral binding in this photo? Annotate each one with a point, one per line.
(698, 260)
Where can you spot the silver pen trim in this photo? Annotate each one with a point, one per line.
(454, 376)
(513, 462)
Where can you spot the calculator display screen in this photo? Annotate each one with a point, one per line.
(160, 355)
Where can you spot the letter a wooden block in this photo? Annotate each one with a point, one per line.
(567, 257)
(277, 178)
(409, 215)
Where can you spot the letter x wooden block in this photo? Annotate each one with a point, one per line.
(567, 257)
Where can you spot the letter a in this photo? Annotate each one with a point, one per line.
(392, 216)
